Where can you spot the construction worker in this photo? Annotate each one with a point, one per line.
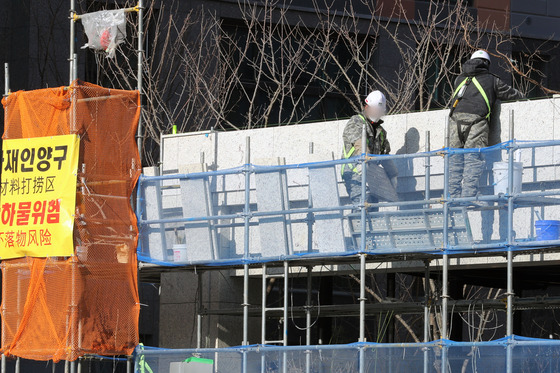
(475, 92)
(377, 143)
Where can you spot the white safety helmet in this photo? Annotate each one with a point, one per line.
(376, 99)
(377, 105)
(481, 54)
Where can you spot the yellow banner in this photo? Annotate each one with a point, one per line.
(38, 196)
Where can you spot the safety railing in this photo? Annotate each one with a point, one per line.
(449, 201)
(529, 355)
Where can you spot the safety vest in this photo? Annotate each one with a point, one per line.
(480, 89)
(353, 149)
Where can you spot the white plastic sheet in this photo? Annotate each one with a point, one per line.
(105, 30)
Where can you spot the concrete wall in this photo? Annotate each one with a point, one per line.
(178, 306)
(534, 120)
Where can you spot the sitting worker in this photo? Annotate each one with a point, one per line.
(377, 143)
(475, 92)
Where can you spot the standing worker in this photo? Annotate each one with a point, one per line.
(377, 143)
(475, 92)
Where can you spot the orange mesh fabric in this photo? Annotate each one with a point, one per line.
(63, 308)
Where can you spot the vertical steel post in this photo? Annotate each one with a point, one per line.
(427, 165)
(140, 52)
(263, 315)
(286, 295)
(445, 269)
(263, 304)
(72, 41)
(309, 214)
(511, 150)
(426, 313)
(3, 362)
(363, 247)
(308, 318)
(247, 170)
(198, 313)
(6, 79)
(285, 324)
(74, 259)
(75, 67)
(73, 313)
(71, 79)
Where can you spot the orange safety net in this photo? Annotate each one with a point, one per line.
(62, 308)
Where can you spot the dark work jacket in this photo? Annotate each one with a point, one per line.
(472, 101)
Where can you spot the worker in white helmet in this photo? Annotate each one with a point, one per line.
(377, 143)
(475, 92)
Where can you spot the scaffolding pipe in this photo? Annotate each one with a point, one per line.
(285, 315)
(426, 313)
(510, 239)
(445, 269)
(363, 212)
(286, 290)
(6, 79)
(247, 216)
(3, 361)
(126, 10)
(263, 304)
(140, 134)
(75, 67)
(72, 37)
(199, 313)
(74, 262)
(72, 318)
(427, 262)
(263, 315)
(427, 165)
(308, 317)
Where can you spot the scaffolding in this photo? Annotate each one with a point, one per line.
(420, 226)
(75, 261)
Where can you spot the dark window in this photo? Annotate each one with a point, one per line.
(317, 100)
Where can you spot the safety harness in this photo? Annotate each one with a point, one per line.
(458, 95)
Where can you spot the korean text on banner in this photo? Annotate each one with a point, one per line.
(38, 196)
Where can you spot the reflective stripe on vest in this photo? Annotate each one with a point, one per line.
(480, 89)
(346, 156)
